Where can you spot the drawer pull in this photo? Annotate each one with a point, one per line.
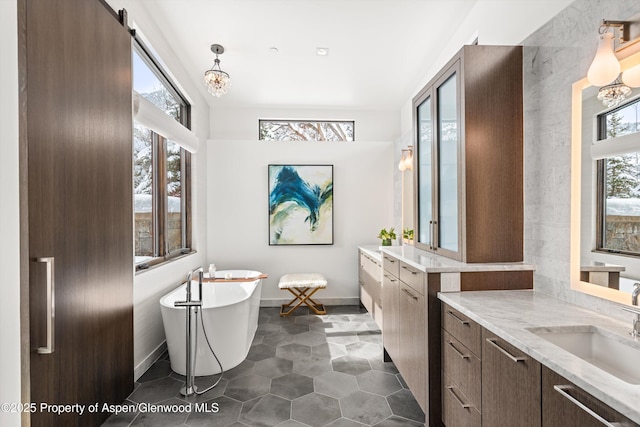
(452, 314)
(415, 298)
(455, 396)
(409, 270)
(563, 390)
(493, 342)
(458, 352)
(391, 260)
(391, 279)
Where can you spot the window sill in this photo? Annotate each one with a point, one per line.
(154, 263)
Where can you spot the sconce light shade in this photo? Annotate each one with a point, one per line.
(631, 77)
(605, 67)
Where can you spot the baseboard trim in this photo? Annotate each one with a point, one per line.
(277, 302)
(143, 366)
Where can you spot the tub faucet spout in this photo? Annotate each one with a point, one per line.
(635, 331)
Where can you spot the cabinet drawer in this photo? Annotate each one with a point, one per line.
(391, 265)
(412, 277)
(462, 367)
(457, 409)
(371, 265)
(365, 297)
(462, 328)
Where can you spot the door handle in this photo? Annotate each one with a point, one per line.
(51, 305)
(516, 359)
(564, 391)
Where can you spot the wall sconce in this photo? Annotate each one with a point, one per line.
(605, 68)
(406, 159)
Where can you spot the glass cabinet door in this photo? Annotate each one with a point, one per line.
(447, 141)
(424, 120)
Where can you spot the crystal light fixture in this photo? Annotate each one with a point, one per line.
(216, 80)
(612, 95)
(406, 160)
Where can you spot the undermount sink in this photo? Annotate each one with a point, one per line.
(616, 355)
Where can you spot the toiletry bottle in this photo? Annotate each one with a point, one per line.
(212, 271)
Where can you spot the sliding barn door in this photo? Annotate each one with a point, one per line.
(76, 90)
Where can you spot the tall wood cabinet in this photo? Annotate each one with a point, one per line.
(76, 207)
(469, 150)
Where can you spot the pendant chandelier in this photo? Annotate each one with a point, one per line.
(216, 80)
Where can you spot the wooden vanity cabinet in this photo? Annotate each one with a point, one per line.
(404, 329)
(510, 385)
(564, 404)
(461, 370)
(390, 298)
(370, 280)
(468, 132)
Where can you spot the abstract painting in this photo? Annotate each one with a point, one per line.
(300, 204)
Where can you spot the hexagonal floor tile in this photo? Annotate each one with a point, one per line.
(228, 412)
(278, 338)
(379, 383)
(370, 336)
(315, 409)
(328, 350)
(381, 365)
(365, 408)
(366, 350)
(293, 351)
(351, 365)
(310, 338)
(244, 368)
(160, 369)
(403, 404)
(174, 418)
(342, 338)
(309, 319)
(247, 387)
(273, 367)
(344, 422)
(260, 352)
(295, 328)
(157, 390)
(291, 386)
(266, 411)
(394, 421)
(335, 384)
(311, 366)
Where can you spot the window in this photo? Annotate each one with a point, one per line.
(618, 178)
(161, 169)
(306, 130)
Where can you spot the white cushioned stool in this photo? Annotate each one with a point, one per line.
(303, 286)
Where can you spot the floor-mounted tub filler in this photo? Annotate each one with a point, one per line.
(225, 319)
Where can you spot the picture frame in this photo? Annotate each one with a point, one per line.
(300, 204)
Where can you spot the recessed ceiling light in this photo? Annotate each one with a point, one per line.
(322, 51)
(273, 50)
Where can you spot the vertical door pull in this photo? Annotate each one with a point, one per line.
(51, 305)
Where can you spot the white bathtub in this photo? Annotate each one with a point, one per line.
(230, 314)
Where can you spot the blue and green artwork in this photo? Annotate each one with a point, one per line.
(300, 204)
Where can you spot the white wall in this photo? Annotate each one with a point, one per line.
(238, 201)
(9, 214)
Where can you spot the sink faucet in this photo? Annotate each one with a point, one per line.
(635, 332)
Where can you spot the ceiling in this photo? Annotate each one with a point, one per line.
(379, 50)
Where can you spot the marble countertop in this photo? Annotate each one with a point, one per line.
(508, 314)
(372, 250)
(432, 263)
(601, 266)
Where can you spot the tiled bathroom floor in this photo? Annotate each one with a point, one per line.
(302, 370)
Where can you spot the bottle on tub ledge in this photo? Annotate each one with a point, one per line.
(212, 271)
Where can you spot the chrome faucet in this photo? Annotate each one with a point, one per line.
(635, 332)
(189, 387)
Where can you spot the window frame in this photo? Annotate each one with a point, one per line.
(159, 214)
(601, 184)
(261, 121)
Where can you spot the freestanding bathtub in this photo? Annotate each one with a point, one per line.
(230, 315)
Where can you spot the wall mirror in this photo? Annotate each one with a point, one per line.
(605, 191)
